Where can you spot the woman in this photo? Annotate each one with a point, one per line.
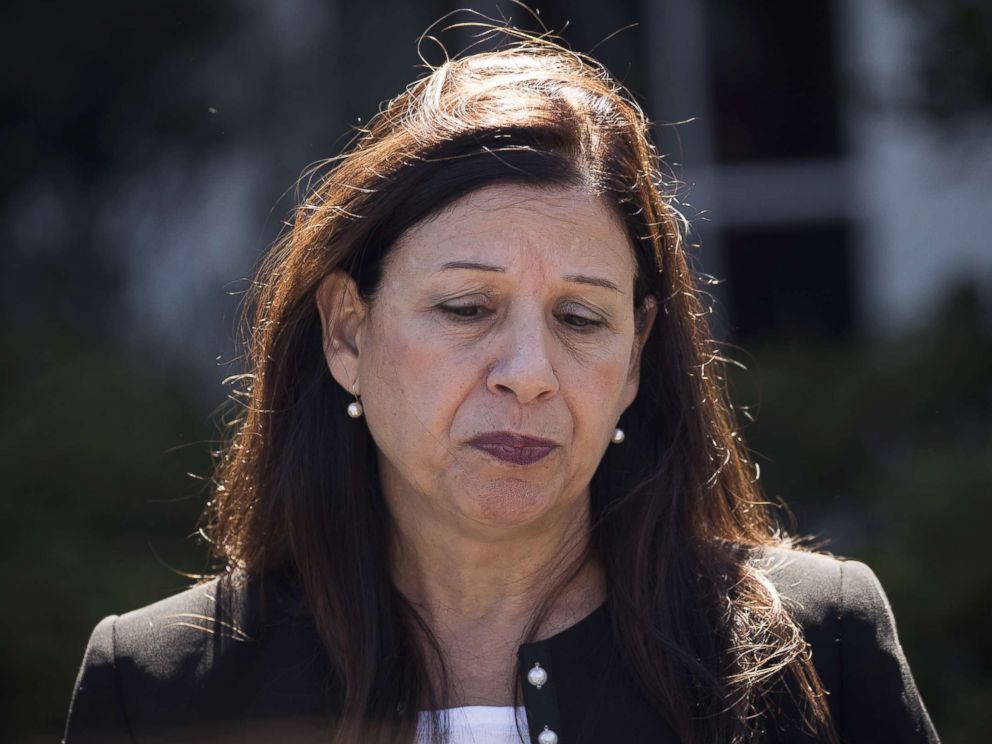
(486, 485)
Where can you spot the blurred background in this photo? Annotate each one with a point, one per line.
(835, 158)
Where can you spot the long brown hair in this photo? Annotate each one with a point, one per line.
(676, 512)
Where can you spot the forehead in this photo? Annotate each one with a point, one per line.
(521, 226)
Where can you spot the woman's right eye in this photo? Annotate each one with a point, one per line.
(464, 312)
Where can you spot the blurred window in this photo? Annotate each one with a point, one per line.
(772, 79)
(789, 281)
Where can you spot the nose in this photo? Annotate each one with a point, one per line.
(523, 365)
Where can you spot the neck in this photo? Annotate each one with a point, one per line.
(463, 579)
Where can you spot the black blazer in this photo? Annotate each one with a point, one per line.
(201, 667)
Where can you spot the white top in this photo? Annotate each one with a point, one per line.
(478, 724)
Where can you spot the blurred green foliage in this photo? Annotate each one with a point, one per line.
(884, 451)
(97, 506)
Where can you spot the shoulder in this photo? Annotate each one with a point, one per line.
(158, 639)
(838, 601)
(200, 654)
(150, 630)
(851, 631)
(204, 622)
(819, 586)
(139, 645)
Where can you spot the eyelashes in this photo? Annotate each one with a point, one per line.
(462, 312)
(475, 313)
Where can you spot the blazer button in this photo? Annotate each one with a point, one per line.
(537, 676)
(547, 737)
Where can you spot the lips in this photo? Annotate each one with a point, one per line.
(514, 448)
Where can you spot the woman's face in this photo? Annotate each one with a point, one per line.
(509, 314)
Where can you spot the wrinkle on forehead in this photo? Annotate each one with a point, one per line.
(499, 196)
(513, 209)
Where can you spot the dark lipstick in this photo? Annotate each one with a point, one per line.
(514, 448)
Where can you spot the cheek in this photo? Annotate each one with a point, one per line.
(595, 386)
(414, 382)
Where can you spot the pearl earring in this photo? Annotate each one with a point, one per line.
(355, 409)
(618, 435)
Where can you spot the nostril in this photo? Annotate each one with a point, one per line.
(523, 367)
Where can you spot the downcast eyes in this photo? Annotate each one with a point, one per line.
(474, 312)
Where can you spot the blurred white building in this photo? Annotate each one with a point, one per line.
(829, 204)
(825, 203)
(827, 207)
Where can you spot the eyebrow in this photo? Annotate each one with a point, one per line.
(576, 278)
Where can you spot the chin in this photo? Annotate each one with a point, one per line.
(509, 503)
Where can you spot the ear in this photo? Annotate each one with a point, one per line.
(644, 318)
(342, 317)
